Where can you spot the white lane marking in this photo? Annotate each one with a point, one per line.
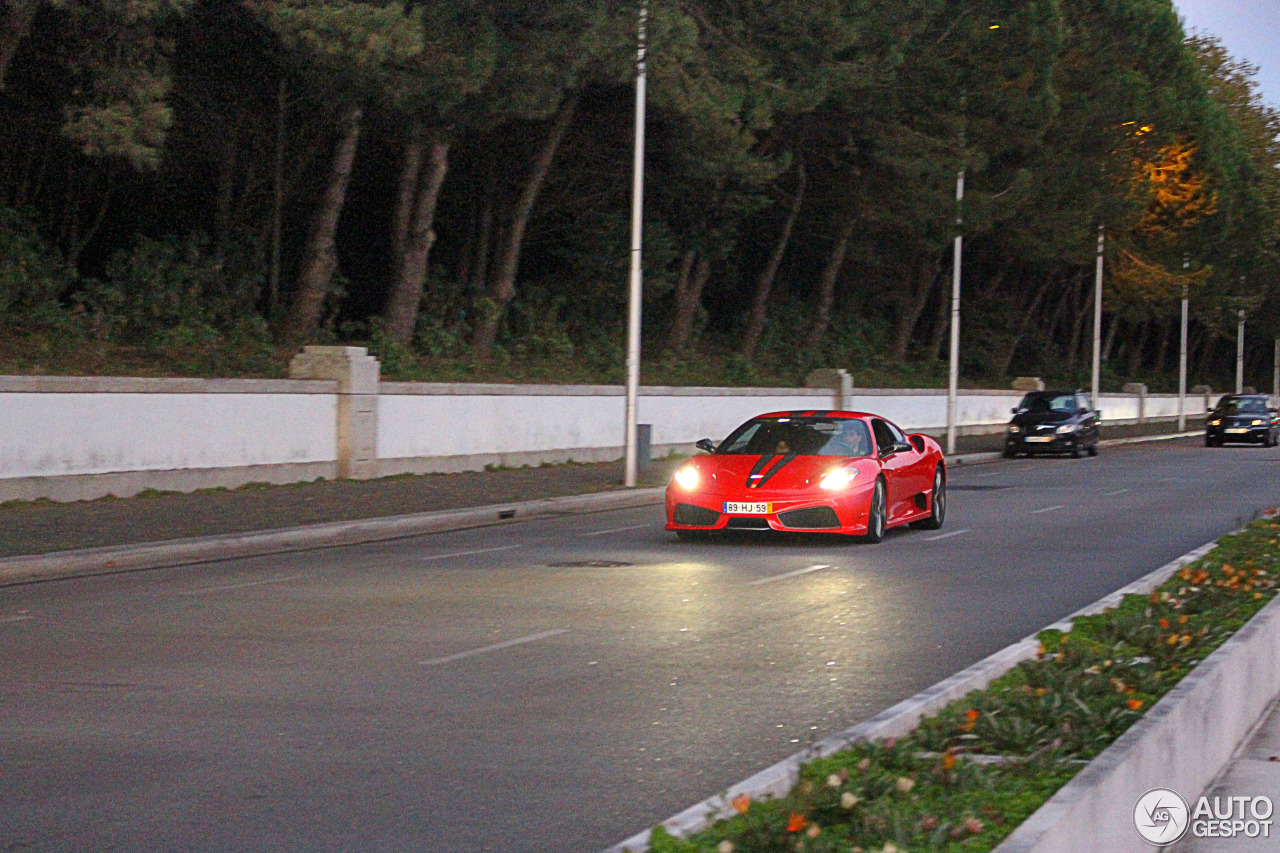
(990, 474)
(470, 553)
(617, 530)
(947, 535)
(1113, 494)
(786, 575)
(233, 586)
(7, 619)
(531, 638)
(1047, 509)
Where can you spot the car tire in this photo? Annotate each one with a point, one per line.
(1075, 450)
(1093, 449)
(1010, 453)
(937, 505)
(1210, 441)
(877, 515)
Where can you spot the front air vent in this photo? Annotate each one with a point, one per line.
(813, 518)
(695, 516)
(748, 524)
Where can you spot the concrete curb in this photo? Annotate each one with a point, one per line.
(900, 719)
(206, 549)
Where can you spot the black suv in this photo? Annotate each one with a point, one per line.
(1053, 422)
(1242, 417)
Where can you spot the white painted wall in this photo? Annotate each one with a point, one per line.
(53, 427)
(53, 434)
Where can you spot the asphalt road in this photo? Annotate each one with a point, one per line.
(556, 685)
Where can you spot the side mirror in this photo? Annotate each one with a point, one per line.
(705, 444)
(1014, 410)
(1083, 411)
(1097, 413)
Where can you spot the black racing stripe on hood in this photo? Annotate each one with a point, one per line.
(760, 465)
(782, 463)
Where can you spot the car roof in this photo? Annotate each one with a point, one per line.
(1050, 393)
(817, 413)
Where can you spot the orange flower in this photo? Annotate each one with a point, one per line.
(741, 803)
(972, 715)
(948, 760)
(796, 822)
(1164, 623)
(1182, 620)
(1134, 704)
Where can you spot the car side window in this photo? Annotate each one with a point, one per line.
(884, 435)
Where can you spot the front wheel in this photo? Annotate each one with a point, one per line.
(938, 505)
(877, 516)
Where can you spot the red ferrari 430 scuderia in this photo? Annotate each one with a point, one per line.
(830, 472)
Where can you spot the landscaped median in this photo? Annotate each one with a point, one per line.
(967, 777)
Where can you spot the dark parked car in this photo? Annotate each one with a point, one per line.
(1053, 422)
(1242, 417)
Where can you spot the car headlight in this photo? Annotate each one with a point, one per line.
(1066, 428)
(1214, 423)
(1015, 429)
(688, 478)
(1259, 423)
(838, 478)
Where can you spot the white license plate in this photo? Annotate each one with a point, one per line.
(1040, 438)
(1237, 430)
(734, 508)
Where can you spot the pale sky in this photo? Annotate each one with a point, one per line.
(1249, 28)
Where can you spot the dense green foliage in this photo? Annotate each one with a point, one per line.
(450, 182)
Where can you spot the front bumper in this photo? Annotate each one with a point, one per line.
(1034, 443)
(1249, 435)
(844, 512)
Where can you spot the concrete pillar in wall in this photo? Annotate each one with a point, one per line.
(839, 381)
(1208, 395)
(1141, 390)
(356, 373)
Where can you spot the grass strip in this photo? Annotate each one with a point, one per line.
(967, 777)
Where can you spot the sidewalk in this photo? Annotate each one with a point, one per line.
(43, 527)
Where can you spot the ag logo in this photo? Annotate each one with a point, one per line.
(1161, 816)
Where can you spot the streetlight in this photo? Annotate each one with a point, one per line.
(634, 298)
(1240, 353)
(1182, 350)
(1097, 318)
(953, 374)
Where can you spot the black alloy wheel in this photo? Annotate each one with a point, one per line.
(938, 504)
(877, 519)
(1093, 449)
(1075, 450)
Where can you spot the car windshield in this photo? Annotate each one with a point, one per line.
(1244, 406)
(801, 436)
(1040, 403)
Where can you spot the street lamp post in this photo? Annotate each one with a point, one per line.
(953, 374)
(1240, 353)
(1097, 318)
(634, 298)
(1182, 351)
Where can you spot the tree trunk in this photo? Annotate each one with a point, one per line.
(688, 297)
(406, 293)
(1007, 359)
(1077, 326)
(1111, 339)
(503, 286)
(827, 284)
(911, 306)
(1138, 348)
(764, 284)
(1162, 352)
(319, 259)
(13, 29)
(407, 195)
(478, 275)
